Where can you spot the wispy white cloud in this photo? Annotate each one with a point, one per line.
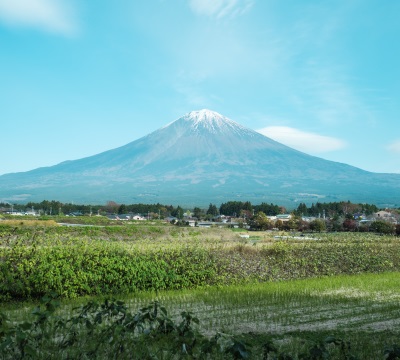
(394, 147)
(220, 8)
(54, 16)
(304, 141)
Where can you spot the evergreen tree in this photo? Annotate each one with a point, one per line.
(212, 210)
(122, 209)
(197, 212)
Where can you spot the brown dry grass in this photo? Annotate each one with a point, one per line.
(29, 222)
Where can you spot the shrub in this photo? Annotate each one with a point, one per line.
(382, 227)
(318, 225)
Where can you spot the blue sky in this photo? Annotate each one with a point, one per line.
(81, 77)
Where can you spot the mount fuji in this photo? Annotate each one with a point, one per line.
(200, 158)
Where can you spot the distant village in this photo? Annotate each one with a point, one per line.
(343, 216)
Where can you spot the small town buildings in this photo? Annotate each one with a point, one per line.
(125, 217)
(386, 216)
(283, 217)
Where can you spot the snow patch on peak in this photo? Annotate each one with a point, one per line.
(204, 115)
(204, 122)
(212, 121)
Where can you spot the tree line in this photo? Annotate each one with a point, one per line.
(335, 224)
(239, 209)
(335, 208)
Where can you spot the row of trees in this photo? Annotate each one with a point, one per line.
(260, 221)
(231, 208)
(245, 208)
(239, 209)
(335, 208)
(339, 215)
(111, 207)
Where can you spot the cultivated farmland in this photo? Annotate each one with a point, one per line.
(295, 293)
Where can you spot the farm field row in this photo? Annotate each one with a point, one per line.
(78, 261)
(362, 309)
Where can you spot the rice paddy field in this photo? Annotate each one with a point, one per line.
(269, 296)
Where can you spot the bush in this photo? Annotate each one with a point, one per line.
(81, 267)
(318, 225)
(382, 227)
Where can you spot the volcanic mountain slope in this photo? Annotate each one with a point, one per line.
(200, 158)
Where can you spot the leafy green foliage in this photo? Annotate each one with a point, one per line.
(77, 261)
(212, 210)
(317, 225)
(32, 266)
(382, 227)
(110, 330)
(339, 208)
(234, 208)
(268, 209)
(260, 222)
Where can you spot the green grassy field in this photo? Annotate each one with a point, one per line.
(273, 295)
(360, 310)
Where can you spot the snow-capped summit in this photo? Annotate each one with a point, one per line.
(212, 121)
(206, 118)
(204, 115)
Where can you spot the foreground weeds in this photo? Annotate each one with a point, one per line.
(109, 330)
